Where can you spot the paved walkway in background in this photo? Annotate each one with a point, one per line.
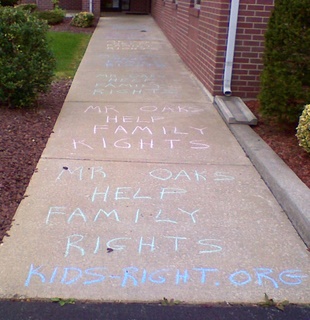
(143, 193)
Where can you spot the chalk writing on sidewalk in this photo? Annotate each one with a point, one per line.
(142, 144)
(108, 210)
(135, 84)
(100, 215)
(148, 109)
(116, 220)
(105, 206)
(149, 130)
(118, 61)
(117, 130)
(78, 245)
(132, 45)
(82, 173)
(137, 277)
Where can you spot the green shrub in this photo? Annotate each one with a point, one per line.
(26, 62)
(27, 6)
(52, 17)
(285, 79)
(83, 20)
(10, 3)
(55, 4)
(303, 129)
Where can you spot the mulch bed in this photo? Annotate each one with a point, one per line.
(283, 140)
(23, 136)
(65, 26)
(24, 133)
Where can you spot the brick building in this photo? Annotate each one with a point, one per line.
(97, 6)
(198, 29)
(222, 41)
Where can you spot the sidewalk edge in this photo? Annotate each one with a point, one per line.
(291, 193)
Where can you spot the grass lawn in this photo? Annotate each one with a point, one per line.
(68, 49)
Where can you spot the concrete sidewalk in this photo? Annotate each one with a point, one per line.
(143, 192)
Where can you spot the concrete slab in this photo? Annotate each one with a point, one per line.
(130, 45)
(130, 28)
(133, 31)
(137, 232)
(137, 34)
(132, 62)
(129, 22)
(111, 215)
(144, 86)
(157, 132)
(234, 110)
(292, 194)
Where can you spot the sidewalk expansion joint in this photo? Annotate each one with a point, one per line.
(151, 162)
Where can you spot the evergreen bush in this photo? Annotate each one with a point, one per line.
(55, 4)
(83, 20)
(27, 6)
(303, 129)
(26, 62)
(285, 79)
(52, 17)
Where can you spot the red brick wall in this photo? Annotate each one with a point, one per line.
(142, 6)
(77, 5)
(71, 4)
(42, 5)
(200, 38)
(27, 1)
(45, 5)
(252, 23)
